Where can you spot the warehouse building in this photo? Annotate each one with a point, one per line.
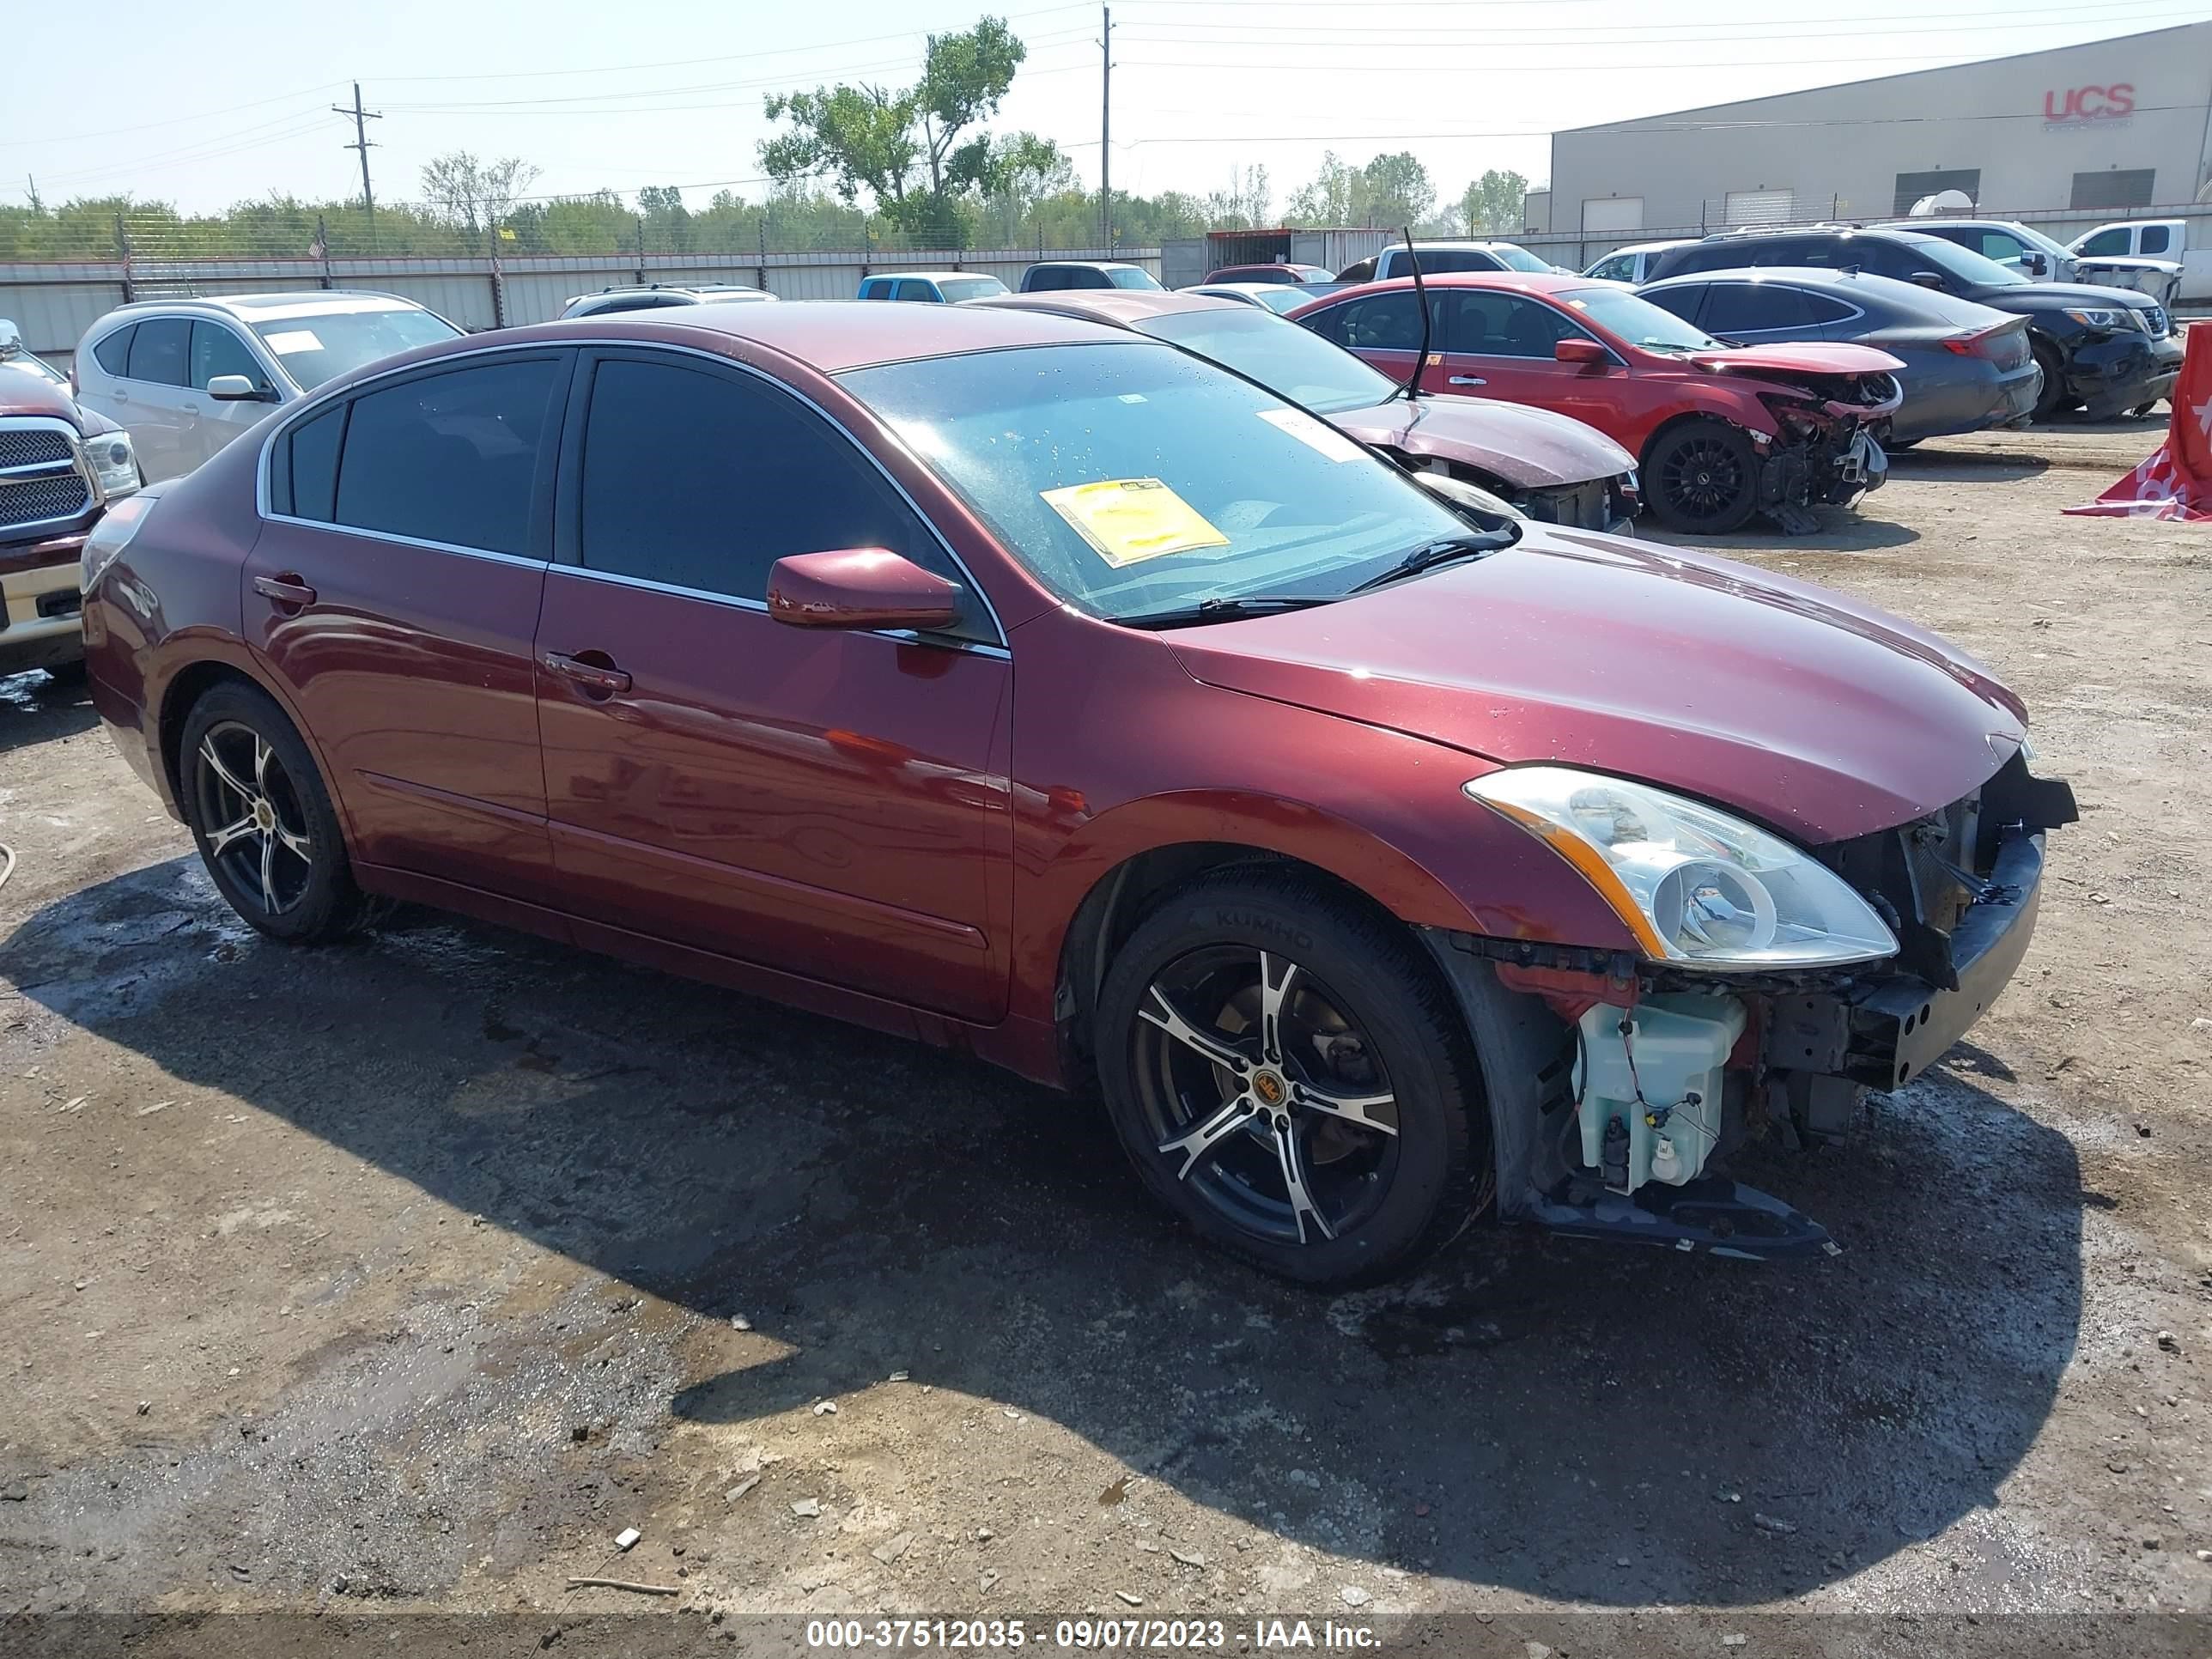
(2095, 129)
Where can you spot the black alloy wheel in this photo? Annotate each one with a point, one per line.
(1702, 477)
(263, 823)
(1288, 1075)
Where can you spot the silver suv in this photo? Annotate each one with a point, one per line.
(184, 377)
(657, 296)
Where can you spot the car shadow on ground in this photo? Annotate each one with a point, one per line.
(1933, 464)
(36, 707)
(1618, 1427)
(1841, 531)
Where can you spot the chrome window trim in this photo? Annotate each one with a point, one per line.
(75, 466)
(738, 602)
(306, 408)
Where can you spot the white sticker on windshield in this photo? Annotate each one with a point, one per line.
(1316, 435)
(286, 341)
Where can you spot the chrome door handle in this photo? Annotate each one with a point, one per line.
(1467, 380)
(286, 589)
(596, 680)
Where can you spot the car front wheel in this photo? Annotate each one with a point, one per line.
(1291, 1078)
(1702, 477)
(263, 820)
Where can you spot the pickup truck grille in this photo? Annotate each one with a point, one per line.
(33, 447)
(39, 483)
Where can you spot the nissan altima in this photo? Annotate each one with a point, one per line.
(1041, 691)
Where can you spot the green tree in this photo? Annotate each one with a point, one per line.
(473, 195)
(1398, 191)
(913, 150)
(1493, 203)
(1335, 196)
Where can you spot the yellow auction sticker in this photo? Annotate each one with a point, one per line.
(1129, 520)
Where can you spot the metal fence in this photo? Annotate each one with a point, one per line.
(54, 302)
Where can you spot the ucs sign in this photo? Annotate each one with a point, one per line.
(2088, 104)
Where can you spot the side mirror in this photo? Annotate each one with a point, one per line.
(2034, 264)
(860, 587)
(1927, 279)
(1580, 350)
(237, 389)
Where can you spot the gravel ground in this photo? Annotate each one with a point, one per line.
(404, 1276)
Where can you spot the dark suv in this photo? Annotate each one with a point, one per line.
(2109, 349)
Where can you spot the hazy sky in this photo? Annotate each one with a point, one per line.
(203, 106)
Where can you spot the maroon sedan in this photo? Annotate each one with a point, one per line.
(1041, 691)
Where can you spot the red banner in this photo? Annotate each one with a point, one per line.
(2176, 481)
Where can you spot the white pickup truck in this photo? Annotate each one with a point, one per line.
(2151, 255)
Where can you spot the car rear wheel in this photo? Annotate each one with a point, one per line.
(1702, 477)
(264, 824)
(1292, 1078)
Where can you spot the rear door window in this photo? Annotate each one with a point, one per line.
(114, 353)
(1491, 323)
(806, 486)
(2154, 238)
(159, 350)
(454, 457)
(924, 292)
(1754, 308)
(1682, 301)
(876, 287)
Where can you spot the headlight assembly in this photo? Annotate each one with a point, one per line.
(2104, 318)
(112, 462)
(1695, 886)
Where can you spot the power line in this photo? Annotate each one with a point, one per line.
(2056, 16)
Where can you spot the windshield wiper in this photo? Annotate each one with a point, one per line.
(1444, 550)
(1228, 609)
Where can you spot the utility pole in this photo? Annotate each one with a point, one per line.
(360, 119)
(37, 206)
(1106, 132)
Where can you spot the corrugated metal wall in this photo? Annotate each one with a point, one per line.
(55, 304)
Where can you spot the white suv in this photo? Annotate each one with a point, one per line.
(184, 377)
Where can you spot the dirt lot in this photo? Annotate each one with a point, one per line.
(406, 1275)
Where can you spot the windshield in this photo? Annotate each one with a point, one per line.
(1283, 300)
(1200, 486)
(1964, 262)
(1292, 361)
(957, 289)
(1131, 277)
(1517, 258)
(315, 345)
(1636, 319)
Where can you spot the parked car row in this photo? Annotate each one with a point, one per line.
(1046, 678)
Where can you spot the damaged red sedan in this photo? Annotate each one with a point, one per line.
(1722, 432)
(1042, 690)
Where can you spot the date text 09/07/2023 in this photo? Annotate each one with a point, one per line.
(1087, 1635)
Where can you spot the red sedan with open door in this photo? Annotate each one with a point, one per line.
(1721, 431)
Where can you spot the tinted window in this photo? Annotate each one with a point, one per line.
(158, 351)
(311, 451)
(1752, 307)
(1682, 301)
(923, 293)
(876, 287)
(1490, 323)
(216, 351)
(450, 458)
(1387, 322)
(2156, 239)
(1045, 278)
(783, 480)
(1621, 268)
(114, 353)
(2104, 244)
(1820, 309)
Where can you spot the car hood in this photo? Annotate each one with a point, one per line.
(1818, 717)
(1529, 448)
(1799, 358)
(37, 396)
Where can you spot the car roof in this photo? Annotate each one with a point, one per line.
(923, 275)
(1528, 282)
(1084, 264)
(251, 307)
(832, 336)
(1863, 287)
(1116, 307)
(1893, 232)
